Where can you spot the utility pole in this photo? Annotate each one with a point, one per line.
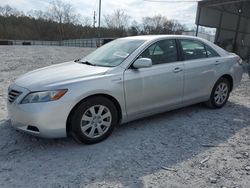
(99, 24)
(94, 19)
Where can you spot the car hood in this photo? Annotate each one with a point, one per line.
(58, 75)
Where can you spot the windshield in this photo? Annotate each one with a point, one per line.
(113, 53)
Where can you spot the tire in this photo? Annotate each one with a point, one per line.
(219, 94)
(93, 120)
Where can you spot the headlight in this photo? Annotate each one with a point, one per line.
(44, 96)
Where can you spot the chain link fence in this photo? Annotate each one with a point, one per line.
(89, 43)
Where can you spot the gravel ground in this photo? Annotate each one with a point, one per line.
(189, 147)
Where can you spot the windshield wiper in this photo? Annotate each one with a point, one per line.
(85, 62)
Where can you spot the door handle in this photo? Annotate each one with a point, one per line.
(177, 69)
(217, 62)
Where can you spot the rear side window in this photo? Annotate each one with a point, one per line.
(164, 51)
(193, 49)
(211, 52)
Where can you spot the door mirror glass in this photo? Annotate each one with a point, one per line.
(142, 63)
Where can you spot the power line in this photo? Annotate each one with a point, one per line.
(174, 1)
(208, 3)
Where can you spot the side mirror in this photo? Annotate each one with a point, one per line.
(142, 63)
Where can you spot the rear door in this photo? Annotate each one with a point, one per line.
(200, 63)
(150, 90)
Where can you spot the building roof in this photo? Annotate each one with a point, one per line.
(230, 6)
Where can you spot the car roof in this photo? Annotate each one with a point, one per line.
(153, 37)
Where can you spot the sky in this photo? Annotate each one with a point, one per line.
(184, 12)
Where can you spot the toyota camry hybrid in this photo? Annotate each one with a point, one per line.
(126, 79)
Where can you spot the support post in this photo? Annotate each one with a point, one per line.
(237, 29)
(219, 29)
(198, 20)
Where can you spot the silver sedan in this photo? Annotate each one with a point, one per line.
(126, 79)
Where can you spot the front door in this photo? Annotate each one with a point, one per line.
(151, 90)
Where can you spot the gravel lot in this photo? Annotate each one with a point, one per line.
(189, 147)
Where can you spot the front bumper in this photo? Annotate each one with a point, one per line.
(49, 118)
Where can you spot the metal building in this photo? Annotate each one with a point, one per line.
(231, 18)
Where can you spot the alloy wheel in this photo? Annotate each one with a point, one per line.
(96, 121)
(221, 93)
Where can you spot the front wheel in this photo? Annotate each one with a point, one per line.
(220, 94)
(93, 120)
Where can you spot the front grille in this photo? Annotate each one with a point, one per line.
(12, 95)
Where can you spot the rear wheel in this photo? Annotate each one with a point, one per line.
(93, 120)
(220, 94)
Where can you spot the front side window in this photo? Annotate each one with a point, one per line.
(193, 49)
(161, 52)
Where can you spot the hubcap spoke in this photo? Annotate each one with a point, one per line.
(99, 129)
(100, 110)
(87, 118)
(108, 114)
(221, 100)
(86, 127)
(106, 124)
(216, 98)
(92, 131)
(92, 111)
